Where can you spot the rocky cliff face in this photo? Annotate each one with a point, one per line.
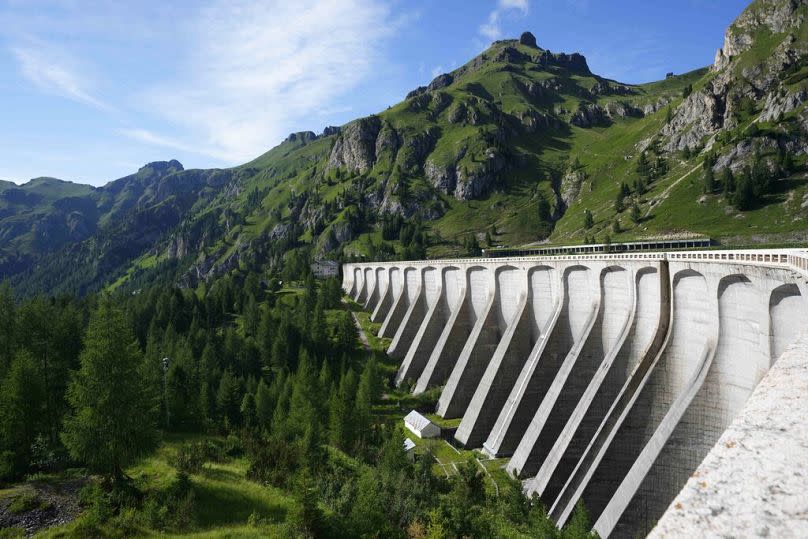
(355, 148)
(738, 79)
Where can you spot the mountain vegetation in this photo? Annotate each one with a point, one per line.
(170, 365)
(520, 145)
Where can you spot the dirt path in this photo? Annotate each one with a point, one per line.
(664, 194)
(362, 335)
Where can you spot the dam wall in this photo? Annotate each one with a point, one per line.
(602, 378)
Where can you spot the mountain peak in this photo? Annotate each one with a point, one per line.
(302, 136)
(163, 166)
(528, 39)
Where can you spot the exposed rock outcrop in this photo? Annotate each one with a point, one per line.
(651, 108)
(439, 102)
(302, 136)
(474, 182)
(717, 105)
(574, 62)
(355, 148)
(387, 142)
(570, 187)
(777, 104)
(700, 115)
(418, 91)
(441, 81)
(623, 110)
(601, 87)
(416, 147)
(528, 39)
(441, 177)
(775, 15)
(589, 115)
(532, 120)
(510, 55)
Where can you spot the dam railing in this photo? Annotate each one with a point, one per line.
(796, 259)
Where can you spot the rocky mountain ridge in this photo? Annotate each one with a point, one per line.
(516, 146)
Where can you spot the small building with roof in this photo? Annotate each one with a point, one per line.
(323, 269)
(421, 426)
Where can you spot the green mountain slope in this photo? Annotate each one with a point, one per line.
(518, 146)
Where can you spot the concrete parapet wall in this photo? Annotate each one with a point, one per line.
(752, 481)
(608, 378)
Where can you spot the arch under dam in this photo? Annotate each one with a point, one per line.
(606, 378)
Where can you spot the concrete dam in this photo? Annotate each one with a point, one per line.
(606, 378)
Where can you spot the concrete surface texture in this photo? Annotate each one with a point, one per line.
(752, 482)
(605, 378)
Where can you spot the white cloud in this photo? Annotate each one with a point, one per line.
(256, 69)
(56, 72)
(492, 28)
(149, 137)
(437, 70)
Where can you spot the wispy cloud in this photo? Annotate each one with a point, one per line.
(149, 137)
(256, 69)
(492, 28)
(56, 72)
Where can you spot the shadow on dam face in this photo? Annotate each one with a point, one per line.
(606, 380)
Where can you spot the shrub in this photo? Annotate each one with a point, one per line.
(26, 502)
(173, 508)
(189, 458)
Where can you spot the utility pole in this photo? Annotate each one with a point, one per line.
(165, 362)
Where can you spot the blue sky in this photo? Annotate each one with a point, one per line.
(92, 90)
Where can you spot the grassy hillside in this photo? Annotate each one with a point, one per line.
(513, 148)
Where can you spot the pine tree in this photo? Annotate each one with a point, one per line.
(252, 316)
(249, 414)
(228, 398)
(21, 414)
(347, 334)
(709, 180)
(589, 220)
(727, 181)
(8, 320)
(113, 420)
(305, 405)
(618, 202)
(687, 90)
(264, 405)
(340, 423)
(635, 213)
(317, 328)
(362, 413)
(543, 208)
(744, 196)
(639, 186)
(643, 166)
